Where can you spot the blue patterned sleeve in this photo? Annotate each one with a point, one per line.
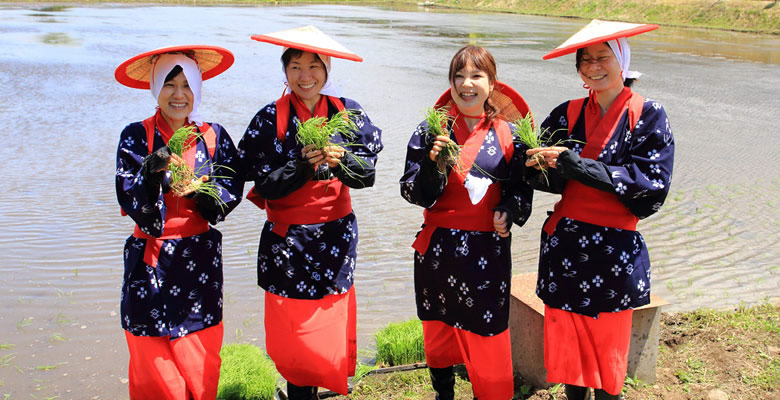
(142, 200)
(516, 195)
(230, 187)
(643, 178)
(421, 183)
(358, 167)
(276, 170)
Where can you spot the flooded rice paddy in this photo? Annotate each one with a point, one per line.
(714, 244)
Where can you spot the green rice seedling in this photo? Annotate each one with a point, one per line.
(400, 343)
(45, 367)
(183, 178)
(533, 137)
(362, 370)
(246, 373)
(6, 360)
(6, 346)
(318, 132)
(56, 337)
(438, 119)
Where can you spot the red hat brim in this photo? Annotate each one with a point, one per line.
(571, 48)
(212, 60)
(307, 47)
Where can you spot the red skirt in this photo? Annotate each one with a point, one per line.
(185, 368)
(488, 359)
(313, 342)
(588, 352)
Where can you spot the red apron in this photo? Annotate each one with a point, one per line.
(182, 218)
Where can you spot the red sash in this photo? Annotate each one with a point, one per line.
(584, 203)
(453, 209)
(182, 218)
(316, 201)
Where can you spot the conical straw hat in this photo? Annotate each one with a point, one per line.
(598, 31)
(308, 38)
(212, 61)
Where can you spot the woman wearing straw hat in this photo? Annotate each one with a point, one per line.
(462, 263)
(594, 267)
(307, 252)
(172, 289)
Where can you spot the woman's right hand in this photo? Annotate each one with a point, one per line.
(545, 155)
(439, 143)
(314, 157)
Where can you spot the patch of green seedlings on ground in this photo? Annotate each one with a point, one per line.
(400, 343)
(183, 178)
(438, 119)
(319, 132)
(246, 373)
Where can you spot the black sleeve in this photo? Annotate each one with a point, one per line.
(589, 172)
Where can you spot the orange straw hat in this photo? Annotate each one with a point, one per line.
(598, 31)
(212, 61)
(308, 38)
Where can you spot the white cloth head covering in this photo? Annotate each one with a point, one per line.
(164, 65)
(622, 52)
(328, 89)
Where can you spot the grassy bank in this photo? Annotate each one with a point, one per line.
(747, 16)
(736, 352)
(760, 16)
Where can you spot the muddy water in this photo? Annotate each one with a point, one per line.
(715, 243)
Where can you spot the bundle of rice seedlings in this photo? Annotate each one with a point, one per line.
(319, 131)
(449, 156)
(183, 179)
(532, 136)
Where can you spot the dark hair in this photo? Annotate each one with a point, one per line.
(626, 82)
(481, 59)
(291, 53)
(174, 72)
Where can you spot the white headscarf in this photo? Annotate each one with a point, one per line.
(623, 54)
(328, 89)
(164, 65)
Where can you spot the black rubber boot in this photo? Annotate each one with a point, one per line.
(301, 392)
(577, 392)
(602, 395)
(443, 380)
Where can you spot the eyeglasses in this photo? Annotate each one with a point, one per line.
(597, 60)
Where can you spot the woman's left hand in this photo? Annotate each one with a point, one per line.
(499, 223)
(333, 155)
(550, 155)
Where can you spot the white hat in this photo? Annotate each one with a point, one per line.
(308, 38)
(598, 31)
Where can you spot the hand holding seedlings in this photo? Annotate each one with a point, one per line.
(499, 223)
(439, 143)
(547, 156)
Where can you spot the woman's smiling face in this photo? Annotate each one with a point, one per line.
(470, 88)
(306, 76)
(599, 68)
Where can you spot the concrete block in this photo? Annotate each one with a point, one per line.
(526, 327)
